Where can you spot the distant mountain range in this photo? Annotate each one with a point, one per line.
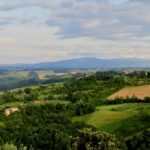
(87, 62)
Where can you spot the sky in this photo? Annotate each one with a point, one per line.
(34, 31)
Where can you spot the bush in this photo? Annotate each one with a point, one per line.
(83, 108)
(8, 147)
(32, 96)
(139, 142)
(147, 99)
(27, 90)
(8, 97)
(89, 140)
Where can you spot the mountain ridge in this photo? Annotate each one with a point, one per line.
(86, 62)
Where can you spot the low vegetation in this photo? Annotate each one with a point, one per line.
(110, 118)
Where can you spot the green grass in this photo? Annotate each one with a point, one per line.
(17, 74)
(111, 117)
(66, 76)
(12, 104)
(1, 124)
(133, 125)
(20, 74)
(22, 88)
(34, 87)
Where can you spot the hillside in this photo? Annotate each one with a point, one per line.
(15, 79)
(42, 116)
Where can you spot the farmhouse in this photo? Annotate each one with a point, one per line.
(11, 110)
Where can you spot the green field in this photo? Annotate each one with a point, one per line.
(17, 74)
(111, 117)
(11, 104)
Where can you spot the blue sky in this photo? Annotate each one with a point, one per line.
(49, 30)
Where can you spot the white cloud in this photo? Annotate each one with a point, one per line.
(6, 41)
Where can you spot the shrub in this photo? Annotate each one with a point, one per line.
(98, 140)
(8, 146)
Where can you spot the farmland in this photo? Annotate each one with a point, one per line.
(15, 79)
(138, 91)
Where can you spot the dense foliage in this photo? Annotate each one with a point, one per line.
(133, 99)
(88, 140)
(43, 127)
(140, 141)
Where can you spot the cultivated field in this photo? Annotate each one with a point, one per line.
(43, 73)
(138, 91)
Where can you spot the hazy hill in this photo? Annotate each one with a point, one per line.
(87, 62)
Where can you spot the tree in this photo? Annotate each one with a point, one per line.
(71, 97)
(27, 90)
(142, 74)
(33, 75)
(89, 140)
(32, 96)
(139, 142)
(148, 74)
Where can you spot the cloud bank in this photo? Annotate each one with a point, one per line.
(42, 30)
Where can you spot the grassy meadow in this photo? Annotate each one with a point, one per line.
(111, 117)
